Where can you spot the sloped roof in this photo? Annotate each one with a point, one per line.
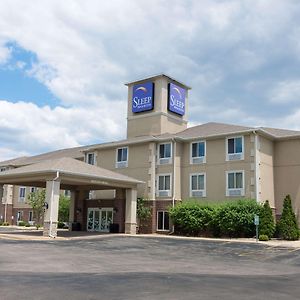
(68, 166)
(281, 133)
(27, 160)
(212, 129)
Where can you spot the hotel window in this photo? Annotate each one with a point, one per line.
(19, 216)
(32, 189)
(235, 182)
(197, 185)
(163, 221)
(164, 153)
(22, 193)
(198, 150)
(235, 148)
(164, 185)
(90, 158)
(122, 157)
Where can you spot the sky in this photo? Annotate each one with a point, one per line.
(63, 65)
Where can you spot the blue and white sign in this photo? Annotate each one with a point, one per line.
(143, 97)
(176, 101)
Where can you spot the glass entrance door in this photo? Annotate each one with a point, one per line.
(99, 219)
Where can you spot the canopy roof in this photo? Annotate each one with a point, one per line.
(71, 172)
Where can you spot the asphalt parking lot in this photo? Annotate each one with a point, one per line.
(123, 267)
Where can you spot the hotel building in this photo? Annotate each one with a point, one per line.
(164, 161)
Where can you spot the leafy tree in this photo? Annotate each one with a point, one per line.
(63, 208)
(287, 226)
(266, 221)
(37, 200)
(143, 212)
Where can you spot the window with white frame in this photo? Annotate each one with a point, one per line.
(198, 150)
(164, 153)
(30, 216)
(19, 215)
(235, 148)
(164, 185)
(22, 193)
(32, 189)
(122, 157)
(235, 183)
(90, 158)
(198, 185)
(163, 220)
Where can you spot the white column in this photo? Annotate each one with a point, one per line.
(1, 192)
(72, 209)
(130, 212)
(51, 214)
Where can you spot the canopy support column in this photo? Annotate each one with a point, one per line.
(51, 213)
(130, 211)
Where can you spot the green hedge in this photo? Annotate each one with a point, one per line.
(230, 219)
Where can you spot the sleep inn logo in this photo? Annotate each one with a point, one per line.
(143, 97)
(176, 101)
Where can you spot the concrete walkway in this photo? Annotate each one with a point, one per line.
(31, 234)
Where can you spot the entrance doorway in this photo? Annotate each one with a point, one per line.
(99, 219)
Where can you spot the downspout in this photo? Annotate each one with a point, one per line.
(52, 195)
(174, 180)
(257, 171)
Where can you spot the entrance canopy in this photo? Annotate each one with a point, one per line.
(70, 172)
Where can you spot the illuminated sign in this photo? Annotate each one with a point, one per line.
(176, 100)
(143, 97)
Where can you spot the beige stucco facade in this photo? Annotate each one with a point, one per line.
(264, 165)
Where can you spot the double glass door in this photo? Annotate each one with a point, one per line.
(99, 219)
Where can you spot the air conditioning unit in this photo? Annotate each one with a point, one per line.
(164, 193)
(237, 192)
(198, 160)
(164, 161)
(197, 194)
(235, 156)
(121, 164)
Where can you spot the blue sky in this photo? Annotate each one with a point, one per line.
(64, 63)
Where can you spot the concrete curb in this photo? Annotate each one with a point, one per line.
(272, 243)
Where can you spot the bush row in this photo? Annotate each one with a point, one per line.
(232, 219)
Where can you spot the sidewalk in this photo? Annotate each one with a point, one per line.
(31, 234)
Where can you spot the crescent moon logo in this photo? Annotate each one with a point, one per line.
(142, 88)
(178, 91)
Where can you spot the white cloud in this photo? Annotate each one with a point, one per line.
(285, 92)
(86, 50)
(34, 129)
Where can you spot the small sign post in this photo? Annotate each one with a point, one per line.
(256, 223)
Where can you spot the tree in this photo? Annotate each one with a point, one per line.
(266, 222)
(64, 208)
(37, 201)
(287, 226)
(142, 212)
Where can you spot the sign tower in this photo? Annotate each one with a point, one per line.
(156, 105)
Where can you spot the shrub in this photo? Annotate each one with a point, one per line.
(266, 221)
(27, 225)
(192, 218)
(21, 223)
(263, 237)
(235, 219)
(1, 223)
(60, 225)
(287, 225)
(5, 224)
